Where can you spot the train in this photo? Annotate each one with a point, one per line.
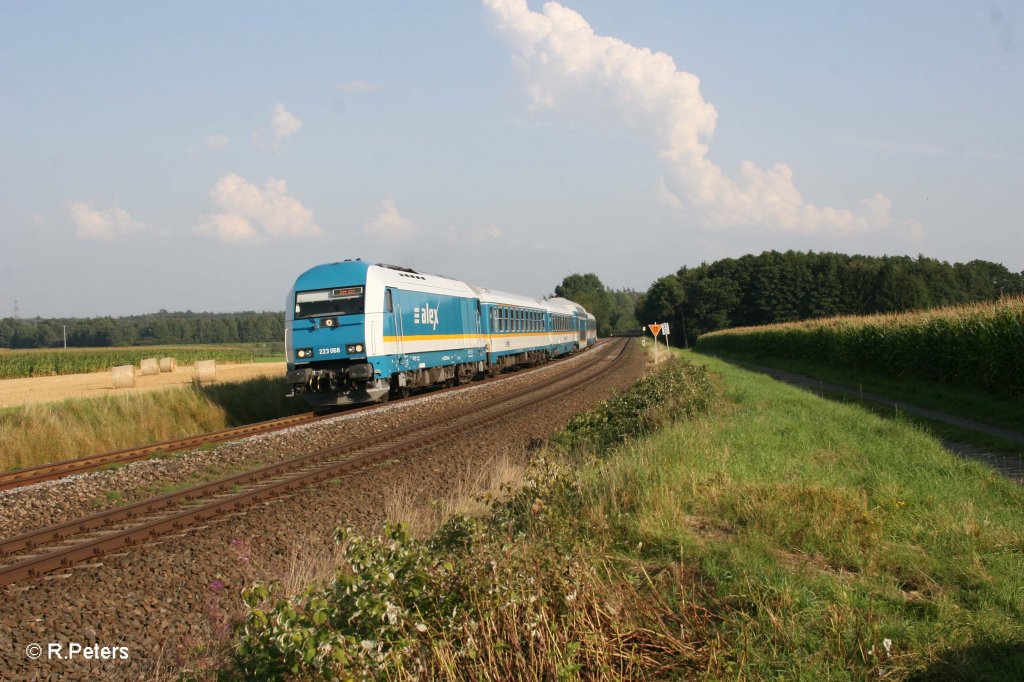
(357, 332)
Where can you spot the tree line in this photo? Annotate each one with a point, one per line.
(615, 310)
(786, 286)
(783, 287)
(162, 328)
(771, 287)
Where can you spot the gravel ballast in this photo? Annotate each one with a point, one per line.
(163, 599)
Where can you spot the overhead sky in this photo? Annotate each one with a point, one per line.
(196, 155)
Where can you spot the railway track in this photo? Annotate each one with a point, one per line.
(49, 472)
(56, 470)
(37, 552)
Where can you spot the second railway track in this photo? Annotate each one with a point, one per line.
(57, 470)
(50, 472)
(37, 552)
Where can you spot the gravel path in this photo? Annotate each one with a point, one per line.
(163, 599)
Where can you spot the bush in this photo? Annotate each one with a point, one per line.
(675, 391)
(523, 593)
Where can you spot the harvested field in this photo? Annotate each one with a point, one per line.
(15, 392)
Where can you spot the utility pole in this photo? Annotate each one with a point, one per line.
(15, 308)
(65, 336)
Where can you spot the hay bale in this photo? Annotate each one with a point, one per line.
(150, 366)
(168, 364)
(123, 376)
(206, 371)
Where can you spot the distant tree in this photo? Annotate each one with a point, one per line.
(158, 328)
(589, 292)
(624, 307)
(776, 286)
(664, 300)
(898, 288)
(713, 301)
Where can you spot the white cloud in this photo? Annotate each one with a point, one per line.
(567, 64)
(476, 236)
(283, 124)
(388, 222)
(92, 223)
(357, 86)
(216, 141)
(248, 213)
(38, 219)
(493, 237)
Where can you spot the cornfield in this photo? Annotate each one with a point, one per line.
(979, 345)
(34, 363)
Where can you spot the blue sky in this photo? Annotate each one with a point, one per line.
(200, 155)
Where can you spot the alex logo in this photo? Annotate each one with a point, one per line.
(425, 315)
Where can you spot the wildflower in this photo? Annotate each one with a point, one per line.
(392, 613)
(216, 585)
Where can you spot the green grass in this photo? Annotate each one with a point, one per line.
(937, 429)
(815, 531)
(765, 534)
(985, 407)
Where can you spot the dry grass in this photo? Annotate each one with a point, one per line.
(51, 432)
(471, 495)
(26, 391)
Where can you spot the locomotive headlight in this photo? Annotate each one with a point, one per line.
(354, 348)
(329, 322)
(304, 353)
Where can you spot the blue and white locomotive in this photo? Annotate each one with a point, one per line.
(356, 332)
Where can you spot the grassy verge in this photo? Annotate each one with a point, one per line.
(768, 534)
(937, 429)
(987, 408)
(38, 434)
(828, 542)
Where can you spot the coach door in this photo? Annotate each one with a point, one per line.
(393, 307)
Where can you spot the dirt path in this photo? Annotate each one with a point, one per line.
(15, 392)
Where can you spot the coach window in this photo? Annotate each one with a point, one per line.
(388, 302)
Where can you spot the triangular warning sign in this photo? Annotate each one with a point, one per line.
(655, 328)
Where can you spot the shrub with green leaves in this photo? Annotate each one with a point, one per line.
(520, 593)
(678, 389)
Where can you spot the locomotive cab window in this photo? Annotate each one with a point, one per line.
(342, 301)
